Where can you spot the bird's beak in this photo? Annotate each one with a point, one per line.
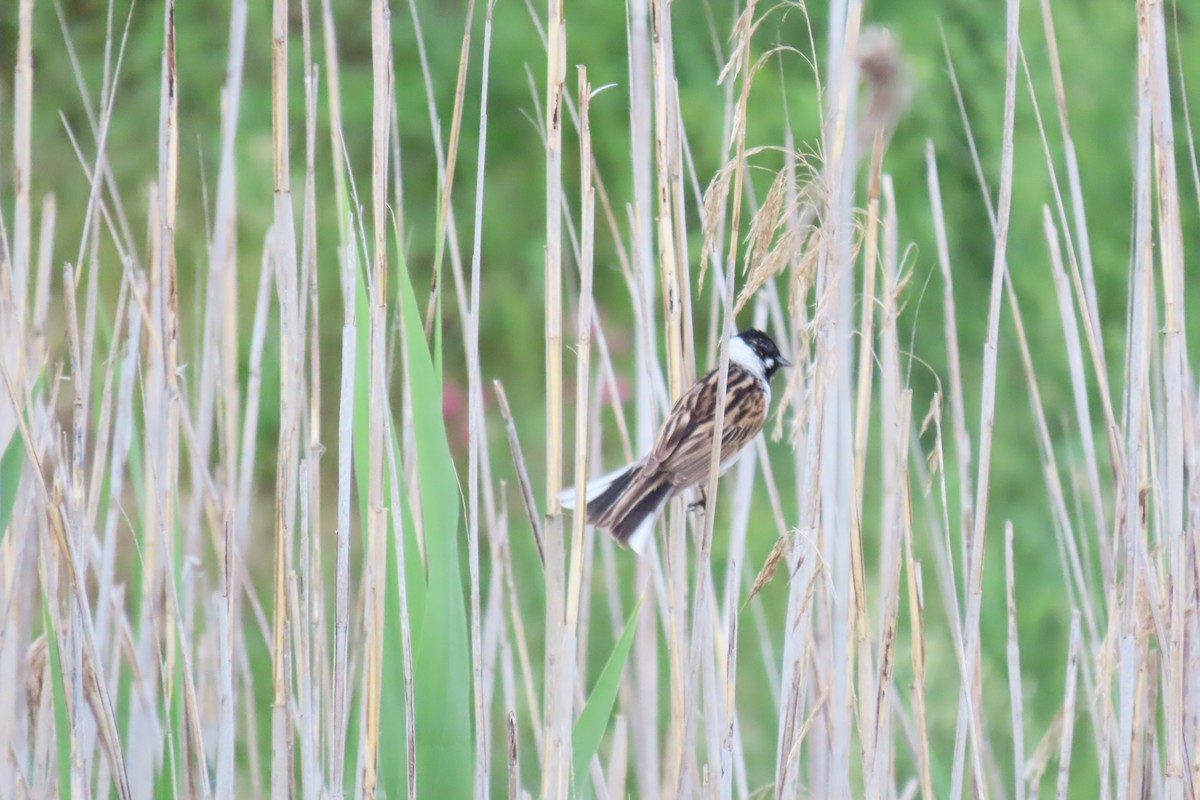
(783, 362)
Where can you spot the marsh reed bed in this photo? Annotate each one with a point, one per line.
(346, 603)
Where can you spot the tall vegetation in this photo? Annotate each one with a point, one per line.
(429, 622)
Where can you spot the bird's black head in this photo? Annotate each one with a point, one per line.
(764, 347)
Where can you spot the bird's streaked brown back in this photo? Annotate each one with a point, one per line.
(683, 451)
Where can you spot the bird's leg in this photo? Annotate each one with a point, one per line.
(701, 502)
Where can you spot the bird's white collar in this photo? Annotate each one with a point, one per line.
(744, 356)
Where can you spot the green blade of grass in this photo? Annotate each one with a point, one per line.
(62, 723)
(10, 469)
(10, 476)
(434, 589)
(593, 720)
(391, 769)
(414, 572)
(442, 673)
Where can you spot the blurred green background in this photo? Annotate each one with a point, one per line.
(1097, 45)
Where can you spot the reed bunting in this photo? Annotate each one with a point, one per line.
(627, 501)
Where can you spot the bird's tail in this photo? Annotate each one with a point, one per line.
(628, 506)
(594, 488)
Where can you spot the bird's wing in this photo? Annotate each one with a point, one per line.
(684, 447)
(682, 421)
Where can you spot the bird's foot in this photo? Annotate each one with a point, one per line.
(701, 502)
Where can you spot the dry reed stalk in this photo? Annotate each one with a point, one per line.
(22, 157)
(731, 751)
(897, 526)
(558, 690)
(1080, 394)
(446, 163)
(514, 763)
(643, 715)
(17, 555)
(1131, 654)
(341, 680)
(348, 272)
(896, 425)
(89, 685)
(916, 616)
(1013, 652)
(496, 645)
(962, 442)
(406, 653)
(67, 514)
(514, 445)
(223, 783)
(41, 295)
(524, 659)
(313, 657)
(1079, 256)
(303, 682)
(1064, 751)
(166, 308)
(475, 400)
(1079, 590)
(258, 333)
(65, 517)
(497, 613)
(291, 380)
(1083, 274)
(583, 418)
(666, 165)
(805, 566)
(637, 36)
(1175, 378)
(970, 714)
(223, 246)
(865, 383)
(146, 743)
(833, 358)
(376, 551)
(1067, 315)
(223, 291)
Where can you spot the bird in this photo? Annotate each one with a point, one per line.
(627, 501)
